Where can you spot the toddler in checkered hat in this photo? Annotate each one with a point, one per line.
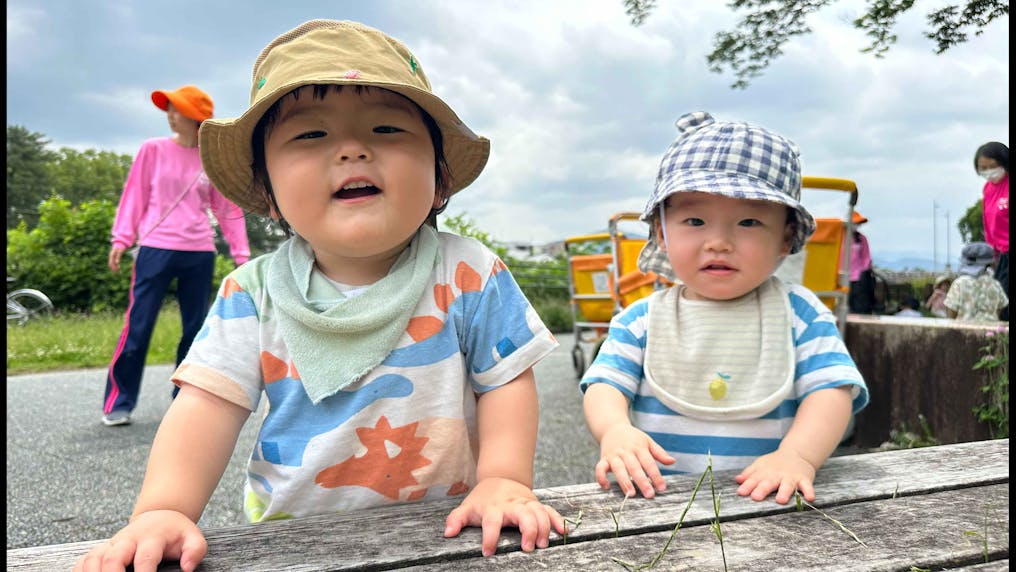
(730, 367)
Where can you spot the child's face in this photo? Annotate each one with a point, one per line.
(352, 173)
(723, 248)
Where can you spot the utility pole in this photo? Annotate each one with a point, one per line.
(948, 253)
(934, 236)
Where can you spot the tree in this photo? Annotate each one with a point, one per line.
(760, 35)
(971, 226)
(28, 178)
(462, 225)
(89, 175)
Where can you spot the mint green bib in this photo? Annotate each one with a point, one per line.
(334, 340)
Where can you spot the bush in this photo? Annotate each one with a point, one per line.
(66, 257)
(555, 313)
(994, 364)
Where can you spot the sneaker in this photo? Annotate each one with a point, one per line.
(116, 418)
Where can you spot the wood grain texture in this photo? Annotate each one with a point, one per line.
(910, 507)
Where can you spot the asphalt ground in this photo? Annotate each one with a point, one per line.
(70, 478)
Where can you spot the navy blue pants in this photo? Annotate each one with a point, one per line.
(153, 271)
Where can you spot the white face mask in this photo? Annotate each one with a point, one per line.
(994, 175)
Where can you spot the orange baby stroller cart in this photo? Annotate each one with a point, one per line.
(823, 266)
(606, 281)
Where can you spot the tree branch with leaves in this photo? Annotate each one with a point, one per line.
(759, 37)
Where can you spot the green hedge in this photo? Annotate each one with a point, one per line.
(66, 256)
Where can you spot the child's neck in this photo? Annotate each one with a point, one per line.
(358, 273)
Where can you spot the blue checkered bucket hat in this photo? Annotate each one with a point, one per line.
(733, 159)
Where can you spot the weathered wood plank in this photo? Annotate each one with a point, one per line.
(412, 534)
(995, 566)
(927, 531)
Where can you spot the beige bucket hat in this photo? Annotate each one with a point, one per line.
(330, 52)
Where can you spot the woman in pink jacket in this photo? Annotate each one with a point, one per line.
(163, 210)
(861, 299)
(992, 162)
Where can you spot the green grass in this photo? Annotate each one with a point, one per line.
(73, 341)
(76, 341)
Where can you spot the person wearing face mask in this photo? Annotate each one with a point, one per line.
(992, 162)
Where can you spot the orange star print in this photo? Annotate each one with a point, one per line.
(377, 470)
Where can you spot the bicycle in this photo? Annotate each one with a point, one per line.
(24, 304)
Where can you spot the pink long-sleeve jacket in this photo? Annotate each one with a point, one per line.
(160, 174)
(996, 214)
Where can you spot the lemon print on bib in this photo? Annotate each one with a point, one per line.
(718, 386)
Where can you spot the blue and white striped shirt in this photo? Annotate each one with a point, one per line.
(822, 361)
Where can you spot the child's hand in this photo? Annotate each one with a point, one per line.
(784, 471)
(149, 538)
(496, 502)
(631, 455)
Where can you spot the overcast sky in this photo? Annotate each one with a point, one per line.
(579, 105)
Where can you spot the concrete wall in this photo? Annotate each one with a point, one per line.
(918, 366)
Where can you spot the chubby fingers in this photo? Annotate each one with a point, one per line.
(631, 470)
(757, 487)
(190, 548)
(491, 525)
(112, 555)
(546, 518)
(534, 520)
(193, 549)
(459, 518)
(806, 488)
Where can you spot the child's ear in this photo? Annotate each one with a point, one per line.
(273, 213)
(788, 239)
(658, 233)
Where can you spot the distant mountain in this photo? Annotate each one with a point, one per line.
(900, 263)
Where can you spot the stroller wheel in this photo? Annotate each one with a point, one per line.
(578, 361)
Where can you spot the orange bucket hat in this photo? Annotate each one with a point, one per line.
(858, 218)
(188, 100)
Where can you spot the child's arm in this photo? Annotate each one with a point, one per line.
(507, 417)
(818, 428)
(624, 450)
(190, 452)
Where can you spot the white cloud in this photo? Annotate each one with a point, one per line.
(23, 38)
(578, 103)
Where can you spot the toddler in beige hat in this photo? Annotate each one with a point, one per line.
(396, 359)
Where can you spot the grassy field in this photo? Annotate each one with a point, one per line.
(76, 341)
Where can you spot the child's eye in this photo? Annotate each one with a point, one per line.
(692, 221)
(311, 135)
(749, 222)
(387, 129)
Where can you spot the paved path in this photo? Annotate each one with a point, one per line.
(70, 478)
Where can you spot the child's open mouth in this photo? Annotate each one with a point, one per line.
(356, 191)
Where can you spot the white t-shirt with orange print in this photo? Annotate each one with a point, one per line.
(407, 430)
